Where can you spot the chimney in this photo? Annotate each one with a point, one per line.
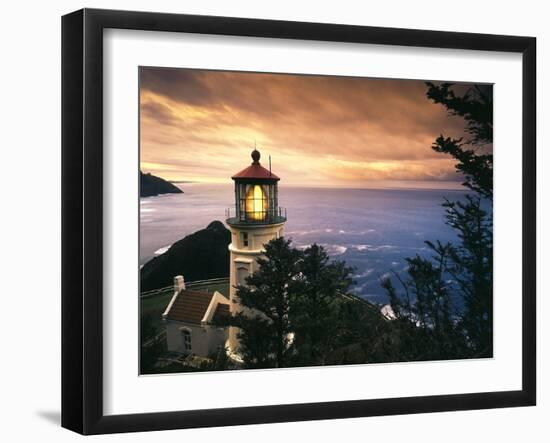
(179, 283)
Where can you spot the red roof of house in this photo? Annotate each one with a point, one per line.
(255, 170)
(190, 306)
(222, 311)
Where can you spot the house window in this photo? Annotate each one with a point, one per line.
(186, 336)
(244, 236)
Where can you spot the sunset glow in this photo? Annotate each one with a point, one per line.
(200, 126)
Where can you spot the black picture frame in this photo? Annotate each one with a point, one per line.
(82, 218)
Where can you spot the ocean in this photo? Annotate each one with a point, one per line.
(372, 230)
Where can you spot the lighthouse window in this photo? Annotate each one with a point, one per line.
(242, 273)
(245, 239)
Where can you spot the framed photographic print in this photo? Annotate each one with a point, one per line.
(269, 221)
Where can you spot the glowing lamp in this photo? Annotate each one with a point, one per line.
(256, 203)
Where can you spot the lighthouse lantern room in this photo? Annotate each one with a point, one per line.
(256, 196)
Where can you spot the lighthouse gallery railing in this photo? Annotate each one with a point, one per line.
(270, 216)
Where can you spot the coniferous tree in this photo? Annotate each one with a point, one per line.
(265, 332)
(462, 273)
(151, 345)
(316, 314)
(471, 264)
(427, 324)
(297, 312)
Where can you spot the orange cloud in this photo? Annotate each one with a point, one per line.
(320, 131)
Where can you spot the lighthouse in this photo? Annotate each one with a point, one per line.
(255, 219)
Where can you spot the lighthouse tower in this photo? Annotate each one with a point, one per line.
(254, 221)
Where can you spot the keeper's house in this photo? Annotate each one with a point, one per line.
(190, 318)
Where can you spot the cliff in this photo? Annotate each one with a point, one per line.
(198, 256)
(151, 185)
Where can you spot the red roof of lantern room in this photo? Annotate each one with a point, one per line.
(255, 171)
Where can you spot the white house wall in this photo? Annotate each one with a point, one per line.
(205, 339)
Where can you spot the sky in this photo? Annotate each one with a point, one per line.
(320, 131)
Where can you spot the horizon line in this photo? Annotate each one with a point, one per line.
(459, 186)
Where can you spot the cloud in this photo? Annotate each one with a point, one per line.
(180, 84)
(318, 129)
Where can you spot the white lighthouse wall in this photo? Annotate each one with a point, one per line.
(243, 262)
(242, 256)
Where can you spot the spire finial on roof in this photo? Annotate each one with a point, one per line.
(255, 156)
